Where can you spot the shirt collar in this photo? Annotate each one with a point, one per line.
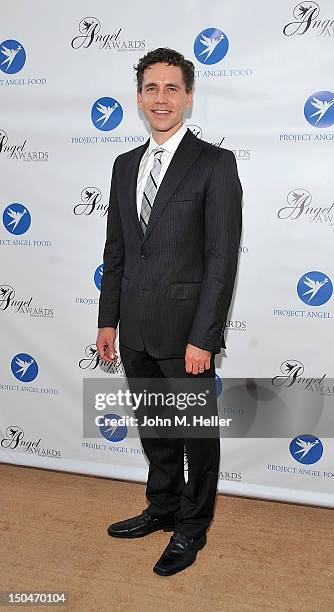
(171, 144)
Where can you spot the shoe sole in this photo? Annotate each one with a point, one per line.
(141, 535)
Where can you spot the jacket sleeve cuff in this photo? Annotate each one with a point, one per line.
(106, 323)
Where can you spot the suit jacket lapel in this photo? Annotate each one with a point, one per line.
(183, 158)
(133, 167)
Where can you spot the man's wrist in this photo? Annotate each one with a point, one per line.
(202, 344)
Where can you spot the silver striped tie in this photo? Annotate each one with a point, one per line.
(150, 189)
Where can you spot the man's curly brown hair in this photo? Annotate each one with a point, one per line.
(164, 55)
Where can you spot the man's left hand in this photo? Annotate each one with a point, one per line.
(196, 359)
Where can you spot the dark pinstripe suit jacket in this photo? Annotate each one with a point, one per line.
(173, 285)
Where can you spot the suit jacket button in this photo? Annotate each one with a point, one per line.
(144, 255)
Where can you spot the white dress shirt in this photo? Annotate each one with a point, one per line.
(146, 163)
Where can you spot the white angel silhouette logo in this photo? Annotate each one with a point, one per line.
(322, 107)
(24, 366)
(314, 286)
(106, 112)
(210, 44)
(111, 430)
(305, 447)
(10, 55)
(16, 217)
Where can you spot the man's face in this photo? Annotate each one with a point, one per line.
(164, 99)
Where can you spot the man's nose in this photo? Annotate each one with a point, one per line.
(161, 96)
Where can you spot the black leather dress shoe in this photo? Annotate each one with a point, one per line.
(179, 554)
(141, 525)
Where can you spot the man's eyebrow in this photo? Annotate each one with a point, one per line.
(167, 85)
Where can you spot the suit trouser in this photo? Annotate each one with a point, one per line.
(193, 501)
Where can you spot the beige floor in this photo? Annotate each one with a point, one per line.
(260, 555)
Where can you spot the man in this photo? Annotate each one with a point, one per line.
(170, 261)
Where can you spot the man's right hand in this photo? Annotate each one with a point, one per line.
(105, 344)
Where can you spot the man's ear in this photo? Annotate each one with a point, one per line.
(139, 98)
(189, 99)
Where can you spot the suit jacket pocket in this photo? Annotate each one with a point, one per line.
(187, 197)
(124, 284)
(184, 291)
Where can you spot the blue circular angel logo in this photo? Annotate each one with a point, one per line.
(315, 288)
(113, 433)
(24, 367)
(98, 276)
(210, 46)
(12, 56)
(306, 449)
(106, 114)
(319, 109)
(16, 218)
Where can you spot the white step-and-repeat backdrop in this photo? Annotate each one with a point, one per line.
(265, 89)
